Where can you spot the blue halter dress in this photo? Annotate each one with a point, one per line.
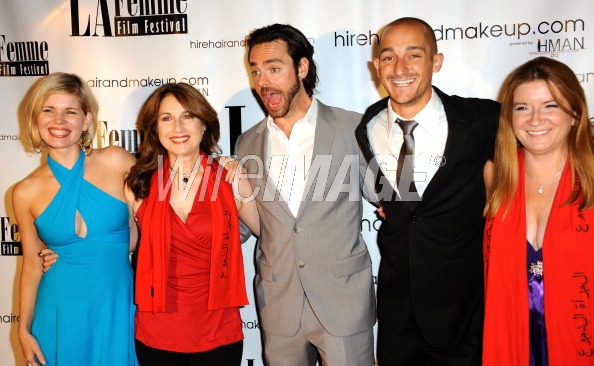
(84, 311)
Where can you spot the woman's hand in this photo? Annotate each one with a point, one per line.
(380, 212)
(231, 165)
(31, 349)
(49, 258)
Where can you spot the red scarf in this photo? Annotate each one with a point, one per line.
(568, 273)
(227, 280)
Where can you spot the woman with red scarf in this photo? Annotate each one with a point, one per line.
(539, 235)
(189, 278)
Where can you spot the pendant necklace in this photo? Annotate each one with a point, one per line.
(540, 188)
(185, 176)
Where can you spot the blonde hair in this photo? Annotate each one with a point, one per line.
(569, 95)
(59, 83)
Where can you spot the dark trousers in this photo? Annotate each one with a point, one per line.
(408, 348)
(228, 355)
(400, 343)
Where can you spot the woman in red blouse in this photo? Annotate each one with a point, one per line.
(189, 278)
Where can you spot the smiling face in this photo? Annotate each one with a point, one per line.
(405, 64)
(277, 82)
(179, 132)
(538, 121)
(61, 120)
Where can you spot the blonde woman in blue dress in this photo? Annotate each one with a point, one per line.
(81, 311)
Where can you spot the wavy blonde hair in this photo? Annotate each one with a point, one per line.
(59, 83)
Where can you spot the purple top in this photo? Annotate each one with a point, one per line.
(538, 332)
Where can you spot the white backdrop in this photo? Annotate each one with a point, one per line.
(125, 49)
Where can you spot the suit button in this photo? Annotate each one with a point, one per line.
(297, 230)
(300, 264)
(413, 219)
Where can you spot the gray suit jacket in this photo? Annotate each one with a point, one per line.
(318, 256)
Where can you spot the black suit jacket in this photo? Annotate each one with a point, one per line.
(431, 255)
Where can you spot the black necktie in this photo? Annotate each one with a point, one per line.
(406, 166)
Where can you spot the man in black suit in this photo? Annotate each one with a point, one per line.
(430, 285)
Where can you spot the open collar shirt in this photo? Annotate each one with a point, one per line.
(385, 137)
(289, 158)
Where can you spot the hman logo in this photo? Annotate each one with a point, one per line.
(558, 37)
(11, 244)
(559, 45)
(131, 18)
(23, 58)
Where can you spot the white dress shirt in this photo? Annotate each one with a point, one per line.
(385, 137)
(289, 158)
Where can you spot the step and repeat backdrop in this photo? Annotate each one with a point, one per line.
(127, 48)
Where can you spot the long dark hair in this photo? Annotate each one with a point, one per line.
(139, 179)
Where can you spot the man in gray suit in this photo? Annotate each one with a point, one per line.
(314, 288)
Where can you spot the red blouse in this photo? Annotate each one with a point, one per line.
(188, 326)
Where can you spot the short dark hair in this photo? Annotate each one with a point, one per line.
(429, 32)
(297, 45)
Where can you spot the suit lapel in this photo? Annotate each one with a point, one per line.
(324, 135)
(458, 134)
(374, 167)
(390, 193)
(270, 190)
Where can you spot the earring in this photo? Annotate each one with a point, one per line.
(42, 146)
(85, 142)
